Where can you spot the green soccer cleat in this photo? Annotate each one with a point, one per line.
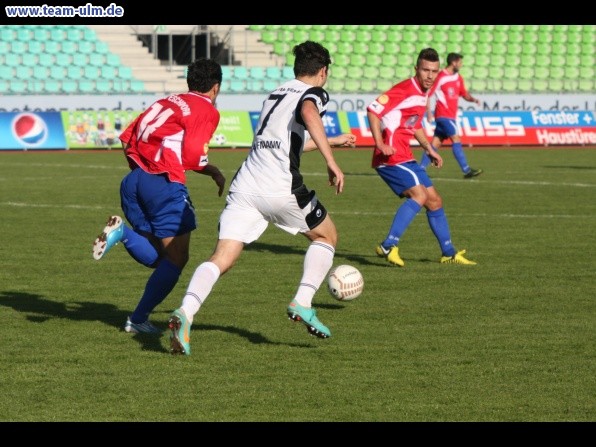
(180, 337)
(392, 255)
(457, 258)
(111, 235)
(473, 173)
(308, 316)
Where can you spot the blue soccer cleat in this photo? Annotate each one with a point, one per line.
(111, 235)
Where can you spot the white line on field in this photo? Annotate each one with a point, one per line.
(350, 213)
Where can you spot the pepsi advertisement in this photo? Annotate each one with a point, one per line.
(31, 131)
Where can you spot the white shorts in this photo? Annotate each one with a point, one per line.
(245, 217)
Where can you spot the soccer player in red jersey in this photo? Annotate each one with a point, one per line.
(448, 88)
(161, 144)
(394, 118)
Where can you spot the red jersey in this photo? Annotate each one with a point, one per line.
(448, 88)
(172, 135)
(400, 110)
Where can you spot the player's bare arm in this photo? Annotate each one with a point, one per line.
(375, 128)
(314, 125)
(214, 172)
(434, 156)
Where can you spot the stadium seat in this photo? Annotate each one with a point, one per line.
(241, 72)
(73, 72)
(288, 72)
(370, 72)
(40, 72)
(4, 87)
(137, 86)
(29, 60)
(34, 47)
(125, 72)
(23, 72)
(555, 85)
(273, 73)
(238, 86)
(52, 86)
(86, 86)
(6, 72)
(47, 60)
(18, 87)
(509, 85)
(257, 73)
(352, 85)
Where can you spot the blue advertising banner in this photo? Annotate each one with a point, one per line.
(30, 131)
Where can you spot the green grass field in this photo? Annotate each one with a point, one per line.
(511, 339)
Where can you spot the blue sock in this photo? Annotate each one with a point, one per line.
(440, 227)
(458, 153)
(403, 217)
(425, 160)
(160, 284)
(139, 247)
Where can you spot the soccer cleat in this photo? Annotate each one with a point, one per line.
(457, 258)
(140, 328)
(111, 235)
(392, 255)
(180, 337)
(473, 173)
(308, 316)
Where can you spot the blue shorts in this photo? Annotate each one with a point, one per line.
(445, 128)
(153, 204)
(404, 176)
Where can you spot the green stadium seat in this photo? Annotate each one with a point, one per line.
(108, 72)
(335, 85)
(559, 37)
(281, 48)
(65, 60)
(352, 85)
(6, 72)
(529, 36)
(555, 85)
(78, 59)
(557, 60)
(35, 47)
(69, 47)
(386, 72)
(574, 37)
(558, 48)
(52, 86)
(254, 86)
(586, 72)
(47, 60)
(470, 36)
(528, 60)
(468, 48)
(525, 85)
(137, 86)
(586, 85)
(545, 28)
(497, 60)
(542, 60)
(526, 72)
(483, 48)
(370, 72)
(360, 47)
(511, 71)
(7, 34)
(403, 72)
(288, 72)
(52, 47)
(41, 34)
(545, 37)
(90, 72)
(257, 73)
(18, 87)
(357, 60)
(515, 36)
(368, 85)
(509, 85)
(479, 85)
(40, 72)
(376, 48)
(273, 73)
(338, 71)
(480, 72)
(571, 72)
(355, 72)
(29, 60)
(514, 48)
(345, 47)
(57, 72)
(554, 72)
(18, 47)
(500, 37)
(241, 72)
(409, 36)
(541, 72)
(73, 72)
(125, 72)
(36, 87)
(302, 35)
(572, 59)
(573, 49)
(482, 60)
(86, 86)
(379, 36)
(269, 37)
(101, 47)
(394, 36)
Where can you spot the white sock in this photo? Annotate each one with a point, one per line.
(317, 262)
(201, 283)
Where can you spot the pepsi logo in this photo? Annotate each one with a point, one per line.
(29, 129)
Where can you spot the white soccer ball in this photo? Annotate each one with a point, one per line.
(345, 282)
(219, 139)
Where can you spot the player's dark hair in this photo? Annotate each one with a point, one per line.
(203, 74)
(453, 57)
(428, 54)
(310, 57)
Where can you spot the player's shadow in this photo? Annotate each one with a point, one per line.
(38, 309)
(273, 248)
(570, 167)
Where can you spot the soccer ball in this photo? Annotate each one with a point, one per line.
(220, 139)
(345, 282)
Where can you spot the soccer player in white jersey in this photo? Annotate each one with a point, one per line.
(269, 188)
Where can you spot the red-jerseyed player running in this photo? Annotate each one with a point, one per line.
(167, 139)
(395, 117)
(448, 88)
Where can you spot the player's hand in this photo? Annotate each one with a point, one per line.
(386, 149)
(346, 139)
(435, 159)
(336, 177)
